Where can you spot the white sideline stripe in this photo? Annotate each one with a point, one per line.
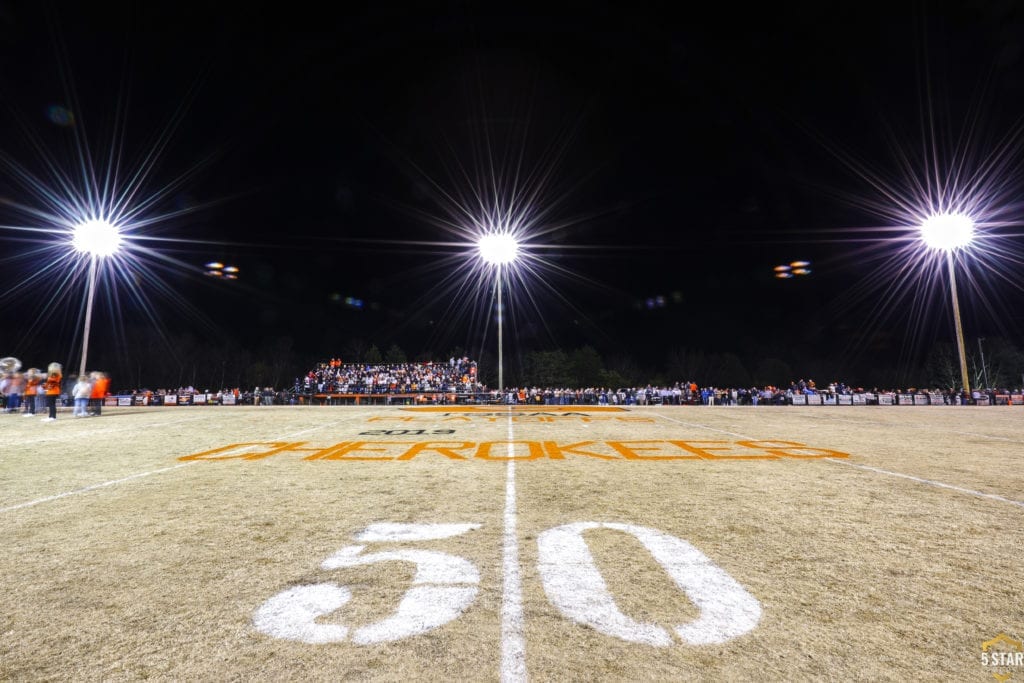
(987, 436)
(513, 646)
(110, 430)
(90, 488)
(58, 496)
(703, 426)
(916, 426)
(930, 482)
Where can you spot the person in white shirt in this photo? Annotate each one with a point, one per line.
(81, 393)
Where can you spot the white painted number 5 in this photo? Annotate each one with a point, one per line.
(443, 587)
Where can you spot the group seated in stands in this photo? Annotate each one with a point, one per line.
(457, 376)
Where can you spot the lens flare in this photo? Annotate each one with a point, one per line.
(947, 231)
(498, 248)
(96, 238)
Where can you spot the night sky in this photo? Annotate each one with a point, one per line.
(677, 155)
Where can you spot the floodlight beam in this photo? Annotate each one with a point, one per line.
(498, 248)
(96, 238)
(947, 231)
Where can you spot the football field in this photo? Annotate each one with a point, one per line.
(491, 543)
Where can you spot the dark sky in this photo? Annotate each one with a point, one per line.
(685, 153)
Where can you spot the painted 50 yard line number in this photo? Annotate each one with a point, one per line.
(445, 585)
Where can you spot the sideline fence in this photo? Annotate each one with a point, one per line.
(489, 399)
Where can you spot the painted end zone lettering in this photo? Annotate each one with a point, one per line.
(248, 451)
(634, 450)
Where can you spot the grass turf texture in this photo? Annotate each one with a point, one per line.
(123, 561)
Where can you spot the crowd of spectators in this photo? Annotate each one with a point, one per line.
(443, 382)
(457, 376)
(456, 381)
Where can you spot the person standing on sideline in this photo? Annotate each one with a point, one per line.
(100, 382)
(51, 387)
(33, 376)
(82, 392)
(14, 390)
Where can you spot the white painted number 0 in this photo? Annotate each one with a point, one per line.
(445, 585)
(575, 586)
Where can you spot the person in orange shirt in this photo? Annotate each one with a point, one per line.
(33, 377)
(51, 387)
(100, 384)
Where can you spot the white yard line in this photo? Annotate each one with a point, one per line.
(929, 482)
(920, 480)
(704, 426)
(54, 435)
(513, 646)
(58, 496)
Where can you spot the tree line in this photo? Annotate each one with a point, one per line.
(143, 361)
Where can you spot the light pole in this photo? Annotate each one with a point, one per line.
(499, 249)
(96, 239)
(984, 370)
(949, 232)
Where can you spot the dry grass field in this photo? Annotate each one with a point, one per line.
(669, 543)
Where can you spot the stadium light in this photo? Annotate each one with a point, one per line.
(949, 232)
(499, 249)
(97, 239)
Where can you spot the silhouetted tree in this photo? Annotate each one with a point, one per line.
(394, 354)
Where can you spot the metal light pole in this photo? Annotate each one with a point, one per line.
(499, 248)
(984, 369)
(957, 324)
(97, 239)
(949, 232)
(88, 314)
(501, 337)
